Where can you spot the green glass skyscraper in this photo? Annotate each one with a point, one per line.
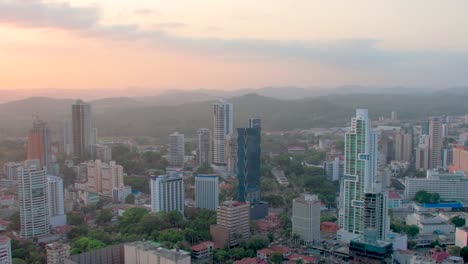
(248, 164)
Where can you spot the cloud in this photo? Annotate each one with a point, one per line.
(145, 11)
(360, 54)
(35, 13)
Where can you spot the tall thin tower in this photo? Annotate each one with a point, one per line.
(363, 204)
(435, 143)
(222, 125)
(39, 142)
(81, 128)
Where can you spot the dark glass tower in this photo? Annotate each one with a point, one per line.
(248, 164)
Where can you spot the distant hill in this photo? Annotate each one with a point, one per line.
(138, 117)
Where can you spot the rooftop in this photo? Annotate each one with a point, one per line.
(157, 250)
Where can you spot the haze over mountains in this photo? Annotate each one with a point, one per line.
(158, 116)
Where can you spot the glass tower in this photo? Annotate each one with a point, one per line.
(248, 164)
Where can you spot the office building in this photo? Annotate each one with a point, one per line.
(147, 252)
(81, 129)
(5, 251)
(33, 200)
(306, 218)
(403, 146)
(223, 118)
(204, 150)
(39, 143)
(167, 193)
(103, 152)
(422, 153)
(56, 201)
(334, 169)
(248, 165)
(450, 187)
(232, 224)
(207, 191)
(57, 253)
(176, 149)
(363, 204)
(460, 159)
(231, 155)
(435, 143)
(104, 177)
(10, 169)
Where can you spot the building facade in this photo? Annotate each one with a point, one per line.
(248, 164)
(223, 123)
(403, 146)
(39, 143)
(10, 169)
(152, 253)
(422, 153)
(460, 159)
(232, 224)
(231, 155)
(334, 169)
(81, 129)
(104, 177)
(363, 204)
(207, 191)
(56, 201)
(5, 250)
(306, 217)
(57, 253)
(450, 187)
(33, 200)
(167, 193)
(435, 143)
(176, 149)
(204, 149)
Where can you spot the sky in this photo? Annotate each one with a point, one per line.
(158, 45)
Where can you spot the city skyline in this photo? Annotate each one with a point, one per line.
(313, 43)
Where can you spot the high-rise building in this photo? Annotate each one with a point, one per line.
(248, 161)
(306, 217)
(445, 130)
(394, 115)
(435, 143)
(57, 253)
(39, 143)
(56, 201)
(204, 150)
(68, 137)
(81, 129)
(460, 159)
(403, 146)
(104, 177)
(10, 169)
(255, 122)
(363, 204)
(103, 152)
(231, 155)
(5, 250)
(334, 169)
(207, 191)
(176, 149)
(232, 224)
(33, 200)
(167, 193)
(422, 153)
(223, 119)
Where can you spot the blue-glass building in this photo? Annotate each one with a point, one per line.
(248, 164)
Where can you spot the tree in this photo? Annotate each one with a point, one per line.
(128, 222)
(458, 221)
(105, 216)
(464, 254)
(130, 199)
(257, 242)
(14, 222)
(411, 230)
(276, 257)
(454, 250)
(426, 197)
(204, 169)
(74, 219)
(271, 237)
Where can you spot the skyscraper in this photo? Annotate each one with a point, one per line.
(56, 201)
(363, 204)
(104, 177)
(255, 122)
(81, 129)
(167, 193)
(68, 137)
(231, 155)
(306, 217)
(5, 250)
(232, 224)
(207, 191)
(33, 200)
(204, 152)
(435, 143)
(248, 161)
(223, 118)
(403, 146)
(176, 149)
(39, 142)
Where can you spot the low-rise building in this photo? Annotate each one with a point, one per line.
(367, 249)
(203, 250)
(450, 187)
(395, 200)
(150, 252)
(57, 253)
(429, 223)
